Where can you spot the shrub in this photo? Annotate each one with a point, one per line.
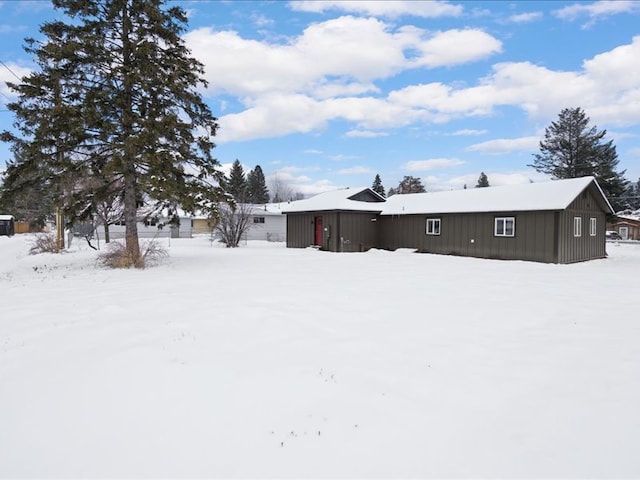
(117, 256)
(44, 243)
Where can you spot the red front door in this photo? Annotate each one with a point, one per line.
(318, 231)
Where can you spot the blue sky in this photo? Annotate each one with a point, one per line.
(325, 94)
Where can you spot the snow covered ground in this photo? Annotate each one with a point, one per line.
(272, 362)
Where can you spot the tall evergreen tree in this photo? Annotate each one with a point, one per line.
(408, 184)
(571, 148)
(377, 186)
(257, 191)
(483, 181)
(115, 99)
(237, 183)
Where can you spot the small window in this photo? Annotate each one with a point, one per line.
(593, 226)
(577, 226)
(433, 226)
(258, 219)
(505, 227)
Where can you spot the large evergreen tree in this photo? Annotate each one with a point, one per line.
(257, 191)
(408, 184)
(377, 186)
(571, 148)
(483, 181)
(115, 101)
(237, 183)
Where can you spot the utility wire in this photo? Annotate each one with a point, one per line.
(12, 72)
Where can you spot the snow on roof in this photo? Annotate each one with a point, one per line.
(6, 217)
(333, 200)
(553, 195)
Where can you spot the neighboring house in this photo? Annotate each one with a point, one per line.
(627, 224)
(562, 221)
(7, 225)
(266, 222)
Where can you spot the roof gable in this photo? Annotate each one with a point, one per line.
(346, 199)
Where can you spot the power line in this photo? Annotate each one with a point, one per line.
(12, 72)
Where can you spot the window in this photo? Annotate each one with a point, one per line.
(433, 226)
(258, 219)
(593, 226)
(577, 226)
(505, 227)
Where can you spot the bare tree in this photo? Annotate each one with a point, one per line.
(233, 222)
(282, 191)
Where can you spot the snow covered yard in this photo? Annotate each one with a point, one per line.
(272, 362)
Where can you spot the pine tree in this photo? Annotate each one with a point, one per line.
(572, 149)
(483, 181)
(377, 186)
(257, 191)
(237, 183)
(408, 184)
(115, 102)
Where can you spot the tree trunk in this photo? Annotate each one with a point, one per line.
(107, 238)
(130, 181)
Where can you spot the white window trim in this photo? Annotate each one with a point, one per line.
(504, 221)
(432, 222)
(593, 226)
(577, 226)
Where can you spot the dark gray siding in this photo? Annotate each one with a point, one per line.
(300, 230)
(357, 232)
(472, 234)
(585, 247)
(342, 231)
(366, 196)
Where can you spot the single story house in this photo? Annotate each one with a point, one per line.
(7, 225)
(561, 221)
(627, 225)
(266, 222)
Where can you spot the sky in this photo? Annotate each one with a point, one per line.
(442, 367)
(328, 94)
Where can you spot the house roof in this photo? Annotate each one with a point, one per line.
(553, 195)
(337, 200)
(6, 217)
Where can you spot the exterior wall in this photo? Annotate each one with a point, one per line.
(300, 230)
(201, 225)
(274, 228)
(633, 228)
(342, 231)
(472, 234)
(585, 247)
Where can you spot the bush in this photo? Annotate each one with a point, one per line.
(44, 243)
(117, 256)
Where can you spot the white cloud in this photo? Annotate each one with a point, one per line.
(525, 17)
(597, 10)
(341, 56)
(505, 145)
(432, 164)
(495, 180)
(455, 47)
(468, 132)
(354, 170)
(395, 8)
(364, 134)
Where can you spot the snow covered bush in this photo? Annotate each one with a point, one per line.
(44, 243)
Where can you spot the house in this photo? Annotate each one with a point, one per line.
(626, 224)
(562, 221)
(7, 225)
(266, 222)
(339, 221)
